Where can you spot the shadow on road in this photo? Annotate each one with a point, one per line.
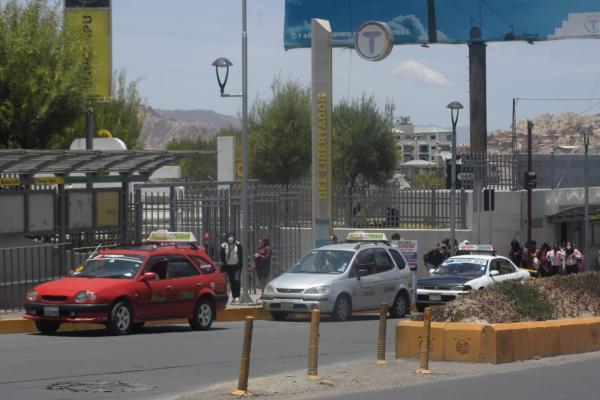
(149, 330)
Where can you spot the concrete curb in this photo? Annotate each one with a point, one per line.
(22, 325)
(500, 343)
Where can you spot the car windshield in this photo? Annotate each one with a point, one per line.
(323, 262)
(123, 266)
(461, 266)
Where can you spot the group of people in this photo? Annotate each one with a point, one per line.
(231, 256)
(548, 261)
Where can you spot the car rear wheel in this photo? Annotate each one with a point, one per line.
(401, 306)
(204, 314)
(342, 308)
(47, 327)
(121, 318)
(278, 315)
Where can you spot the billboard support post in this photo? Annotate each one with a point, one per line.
(322, 202)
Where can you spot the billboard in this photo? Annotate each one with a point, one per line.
(445, 21)
(94, 17)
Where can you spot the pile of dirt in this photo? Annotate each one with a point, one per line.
(558, 297)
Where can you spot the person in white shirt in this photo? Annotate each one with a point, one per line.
(571, 259)
(555, 259)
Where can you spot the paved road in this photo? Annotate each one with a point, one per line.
(173, 359)
(573, 380)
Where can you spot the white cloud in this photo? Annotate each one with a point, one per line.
(415, 70)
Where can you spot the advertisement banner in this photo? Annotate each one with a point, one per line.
(94, 17)
(445, 21)
(410, 250)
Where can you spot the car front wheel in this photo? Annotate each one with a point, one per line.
(121, 318)
(278, 315)
(47, 327)
(204, 314)
(342, 309)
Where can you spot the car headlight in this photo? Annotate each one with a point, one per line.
(317, 290)
(84, 296)
(32, 295)
(269, 289)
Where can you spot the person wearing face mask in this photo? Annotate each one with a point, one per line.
(231, 258)
(572, 257)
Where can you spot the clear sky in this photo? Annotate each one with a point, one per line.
(171, 45)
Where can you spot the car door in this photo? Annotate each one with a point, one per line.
(388, 277)
(184, 278)
(153, 296)
(364, 286)
(506, 270)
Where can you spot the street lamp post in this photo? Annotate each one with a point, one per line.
(454, 106)
(221, 63)
(586, 203)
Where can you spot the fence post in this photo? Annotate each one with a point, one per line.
(172, 208)
(242, 389)
(313, 346)
(433, 209)
(383, 309)
(137, 204)
(424, 352)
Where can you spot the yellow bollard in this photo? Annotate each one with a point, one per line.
(424, 353)
(242, 389)
(313, 346)
(383, 310)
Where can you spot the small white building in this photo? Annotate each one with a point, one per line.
(426, 143)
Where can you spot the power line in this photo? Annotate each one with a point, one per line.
(556, 99)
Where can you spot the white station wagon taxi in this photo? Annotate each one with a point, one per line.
(461, 274)
(358, 274)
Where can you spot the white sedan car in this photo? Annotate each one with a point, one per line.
(461, 274)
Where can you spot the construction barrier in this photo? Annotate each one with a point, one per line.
(499, 343)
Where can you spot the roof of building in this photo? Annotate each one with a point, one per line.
(63, 162)
(431, 129)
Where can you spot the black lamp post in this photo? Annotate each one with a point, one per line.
(455, 108)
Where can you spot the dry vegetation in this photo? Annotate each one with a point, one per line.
(542, 299)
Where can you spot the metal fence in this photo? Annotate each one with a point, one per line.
(507, 171)
(23, 267)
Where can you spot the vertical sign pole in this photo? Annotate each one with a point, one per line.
(321, 131)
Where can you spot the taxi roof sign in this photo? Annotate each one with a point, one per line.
(366, 237)
(478, 248)
(164, 236)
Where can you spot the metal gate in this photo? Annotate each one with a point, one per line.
(212, 210)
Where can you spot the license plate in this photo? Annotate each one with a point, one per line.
(287, 306)
(51, 311)
(435, 297)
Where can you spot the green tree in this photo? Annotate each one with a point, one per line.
(202, 167)
(44, 77)
(280, 134)
(123, 115)
(364, 148)
(429, 180)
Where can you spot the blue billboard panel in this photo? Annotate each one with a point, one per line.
(446, 21)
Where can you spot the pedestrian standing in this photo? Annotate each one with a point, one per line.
(544, 268)
(262, 262)
(436, 256)
(571, 259)
(516, 253)
(555, 259)
(231, 258)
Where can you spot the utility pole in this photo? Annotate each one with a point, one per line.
(529, 168)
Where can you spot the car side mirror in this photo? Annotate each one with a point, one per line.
(148, 276)
(494, 272)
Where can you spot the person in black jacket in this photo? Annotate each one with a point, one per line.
(231, 259)
(435, 257)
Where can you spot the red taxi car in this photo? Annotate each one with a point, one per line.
(168, 277)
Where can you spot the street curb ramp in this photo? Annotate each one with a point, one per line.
(22, 325)
(499, 343)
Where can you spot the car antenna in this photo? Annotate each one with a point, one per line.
(93, 252)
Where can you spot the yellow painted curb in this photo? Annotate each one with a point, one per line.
(500, 343)
(21, 325)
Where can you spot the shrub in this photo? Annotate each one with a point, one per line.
(529, 302)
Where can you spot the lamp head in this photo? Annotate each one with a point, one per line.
(455, 105)
(220, 63)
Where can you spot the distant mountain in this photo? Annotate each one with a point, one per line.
(163, 126)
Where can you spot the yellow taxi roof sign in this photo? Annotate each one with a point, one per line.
(164, 236)
(366, 237)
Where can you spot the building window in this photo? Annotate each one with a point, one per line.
(433, 137)
(449, 137)
(424, 152)
(407, 153)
